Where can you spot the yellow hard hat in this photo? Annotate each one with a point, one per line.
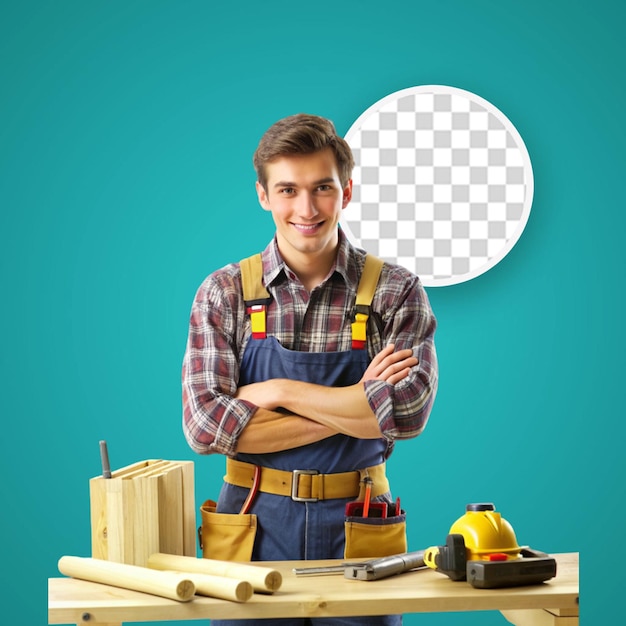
(486, 533)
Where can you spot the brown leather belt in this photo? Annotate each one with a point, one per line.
(307, 485)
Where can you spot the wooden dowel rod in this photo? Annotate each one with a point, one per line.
(261, 578)
(221, 587)
(166, 584)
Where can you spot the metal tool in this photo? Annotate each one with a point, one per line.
(104, 458)
(385, 566)
(322, 569)
(373, 569)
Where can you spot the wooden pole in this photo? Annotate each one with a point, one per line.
(166, 584)
(221, 587)
(262, 579)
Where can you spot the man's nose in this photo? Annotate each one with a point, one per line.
(306, 205)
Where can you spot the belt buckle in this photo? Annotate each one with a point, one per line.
(295, 477)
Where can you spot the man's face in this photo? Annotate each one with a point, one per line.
(305, 197)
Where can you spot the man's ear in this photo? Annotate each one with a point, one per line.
(262, 195)
(347, 194)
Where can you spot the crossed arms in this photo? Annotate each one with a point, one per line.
(393, 399)
(316, 412)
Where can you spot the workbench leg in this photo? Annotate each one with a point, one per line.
(539, 617)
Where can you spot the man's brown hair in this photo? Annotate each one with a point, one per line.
(302, 134)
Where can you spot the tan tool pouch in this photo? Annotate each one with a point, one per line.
(226, 536)
(375, 536)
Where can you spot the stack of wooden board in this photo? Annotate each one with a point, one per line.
(142, 509)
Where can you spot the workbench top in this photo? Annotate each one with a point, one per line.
(73, 601)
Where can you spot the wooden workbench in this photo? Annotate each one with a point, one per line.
(552, 603)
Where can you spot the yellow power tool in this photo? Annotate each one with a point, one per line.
(482, 549)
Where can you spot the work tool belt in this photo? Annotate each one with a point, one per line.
(305, 485)
(231, 536)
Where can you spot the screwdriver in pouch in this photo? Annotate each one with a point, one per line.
(368, 495)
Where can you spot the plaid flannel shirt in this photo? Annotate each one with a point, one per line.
(319, 321)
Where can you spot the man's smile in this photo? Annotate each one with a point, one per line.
(307, 229)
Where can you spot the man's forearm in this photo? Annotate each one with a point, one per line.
(341, 409)
(273, 431)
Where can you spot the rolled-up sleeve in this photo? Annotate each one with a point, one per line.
(212, 417)
(403, 409)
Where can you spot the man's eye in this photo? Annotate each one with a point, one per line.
(324, 188)
(287, 190)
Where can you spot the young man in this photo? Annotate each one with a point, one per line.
(312, 399)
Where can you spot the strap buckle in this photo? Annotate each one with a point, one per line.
(295, 478)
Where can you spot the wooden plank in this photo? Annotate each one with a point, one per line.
(324, 596)
(170, 510)
(97, 501)
(538, 617)
(188, 509)
(144, 508)
(564, 612)
(119, 540)
(190, 536)
(136, 469)
(111, 512)
(143, 518)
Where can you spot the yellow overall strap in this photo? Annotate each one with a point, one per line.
(364, 296)
(255, 295)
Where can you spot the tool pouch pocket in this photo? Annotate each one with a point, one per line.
(226, 536)
(375, 536)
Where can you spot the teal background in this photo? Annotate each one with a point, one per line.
(126, 136)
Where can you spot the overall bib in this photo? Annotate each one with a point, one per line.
(294, 530)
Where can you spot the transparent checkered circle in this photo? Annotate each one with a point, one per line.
(442, 183)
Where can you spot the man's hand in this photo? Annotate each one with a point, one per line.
(387, 365)
(390, 366)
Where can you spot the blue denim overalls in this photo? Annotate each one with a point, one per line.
(290, 530)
